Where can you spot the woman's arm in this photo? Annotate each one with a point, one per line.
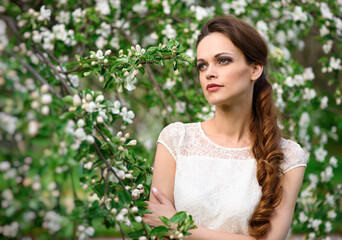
(164, 169)
(162, 202)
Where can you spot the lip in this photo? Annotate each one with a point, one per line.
(213, 87)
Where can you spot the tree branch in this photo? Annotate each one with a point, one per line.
(50, 64)
(34, 73)
(109, 167)
(154, 80)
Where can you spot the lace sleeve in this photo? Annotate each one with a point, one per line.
(294, 155)
(170, 137)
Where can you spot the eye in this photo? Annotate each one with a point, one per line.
(225, 60)
(201, 66)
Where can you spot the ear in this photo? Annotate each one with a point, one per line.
(257, 69)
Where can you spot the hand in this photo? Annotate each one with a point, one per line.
(163, 208)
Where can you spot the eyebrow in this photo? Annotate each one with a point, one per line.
(216, 56)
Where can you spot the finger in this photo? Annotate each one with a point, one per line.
(160, 196)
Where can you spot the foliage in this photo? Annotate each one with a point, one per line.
(66, 101)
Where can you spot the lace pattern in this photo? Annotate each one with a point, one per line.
(215, 184)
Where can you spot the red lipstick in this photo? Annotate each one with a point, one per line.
(213, 87)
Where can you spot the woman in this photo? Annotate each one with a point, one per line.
(234, 173)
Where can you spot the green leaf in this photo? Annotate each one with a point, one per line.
(124, 197)
(165, 220)
(178, 217)
(159, 231)
(68, 100)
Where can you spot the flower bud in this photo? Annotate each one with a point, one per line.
(126, 74)
(80, 123)
(127, 135)
(120, 148)
(138, 48)
(91, 56)
(45, 110)
(44, 88)
(105, 61)
(132, 48)
(132, 143)
(89, 97)
(99, 119)
(122, 139)
(46, 98)
(138, 219)
(119, 134)
(99, 98)
(135, 209)
(101, 79)
(93, 63)
(113, 211)
(108, 52)
(76, 100)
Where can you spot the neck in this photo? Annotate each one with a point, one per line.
(232, 123)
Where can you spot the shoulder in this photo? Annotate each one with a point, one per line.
(294, 155)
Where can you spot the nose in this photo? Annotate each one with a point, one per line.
(210, 73)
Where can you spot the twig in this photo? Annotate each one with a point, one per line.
(34, 73)
(154, 80)
(109, 167)
(49, 63)
(106, 187)
(122, 232)
(110, 151)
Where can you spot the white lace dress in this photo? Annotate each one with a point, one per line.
(215, 184)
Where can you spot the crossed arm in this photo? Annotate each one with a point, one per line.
(162, 201)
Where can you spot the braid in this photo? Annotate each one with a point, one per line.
(268, 154)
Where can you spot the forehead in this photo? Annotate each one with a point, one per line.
(215, 43)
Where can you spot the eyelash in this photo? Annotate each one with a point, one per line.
(228, 60)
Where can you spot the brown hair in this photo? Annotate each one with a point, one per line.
(266, 135)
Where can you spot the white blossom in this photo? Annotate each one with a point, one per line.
(327, 174)
(320, 154)
(103, 7)
(136, 193)
(328, 226)
(169, 32)
(332, 214)
(130, 80)
(333, 162)
(45, 13)
(323, 31)
(76, 100)
(316, 223)
(8, 123)
(52, 221)
(99, 98)
(335, 63)
(90, 139)
(46, 98)
(324, 102)
(127, 115)
(299, 15)
(80, 134)
(90, 107)
(325, 10)
(33, 127)
(302, 217)
(327, 46)
(4, 166)
(304, 120)
(101, 42)
(116, 108)
(74, 80)
(140, 8)
(180, 107)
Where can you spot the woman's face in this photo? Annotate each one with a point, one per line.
(225, 76)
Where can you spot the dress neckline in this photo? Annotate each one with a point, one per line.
(199, 124)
